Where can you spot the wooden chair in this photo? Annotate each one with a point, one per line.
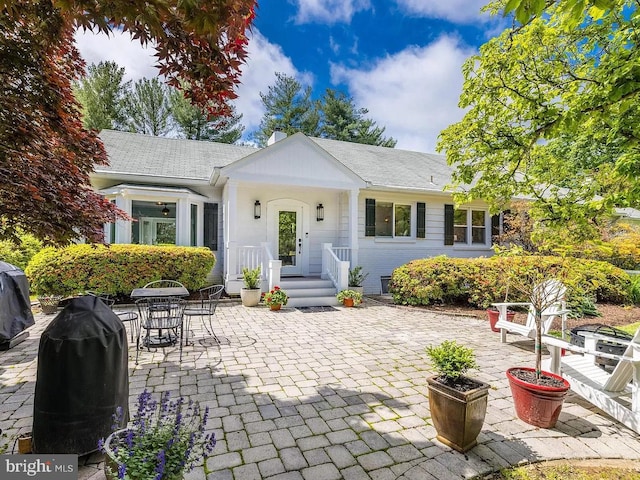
(552, 290)
(209, 298)
(615, 393)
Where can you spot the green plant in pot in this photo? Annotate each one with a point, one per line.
(356, 279)
(250, 294)
(164, 440)
(537, 395)
(349, 297)
(458, 403)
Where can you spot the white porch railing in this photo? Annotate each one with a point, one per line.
(334, 268)
(253, 256)
(343, 253)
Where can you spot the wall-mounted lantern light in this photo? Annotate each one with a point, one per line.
(165, 210)
(257, 210)
(319, 213)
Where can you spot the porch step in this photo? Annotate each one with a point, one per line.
(309, 292)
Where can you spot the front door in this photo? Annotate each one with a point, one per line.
(287, 236)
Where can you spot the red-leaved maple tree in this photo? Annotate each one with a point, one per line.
(46, 156)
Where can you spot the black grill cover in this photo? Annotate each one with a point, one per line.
(82, 378)
(15, 306)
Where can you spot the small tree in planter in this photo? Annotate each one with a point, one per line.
(458, 403)
(538, 395)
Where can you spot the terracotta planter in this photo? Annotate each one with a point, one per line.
(537, 405)
(457, 416)
(348, 302)
(494, 316)
(250, 296)
(277, 306)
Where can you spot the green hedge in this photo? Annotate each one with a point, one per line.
(20, 254)
(116, 269)
(482, 281)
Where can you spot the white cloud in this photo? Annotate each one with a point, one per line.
(329, 11)
(265, 59)
(414, 93)
(457, 11)
(138, 61)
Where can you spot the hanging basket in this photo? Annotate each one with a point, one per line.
(49, 305)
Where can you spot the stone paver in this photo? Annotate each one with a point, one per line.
(342, 394)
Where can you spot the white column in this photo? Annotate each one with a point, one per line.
(230, 202)
(353, 225)
(123, 229)
(183, 222)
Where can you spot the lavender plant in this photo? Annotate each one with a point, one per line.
(164, 440)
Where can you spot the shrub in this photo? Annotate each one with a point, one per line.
(451, 360)
(116, 269)
(634, 289)
(482, 281)
(20, 254)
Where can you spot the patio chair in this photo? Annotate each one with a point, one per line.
(615, 393)
(209, 298)
(124, 316)
(552, 290)
(164, 315)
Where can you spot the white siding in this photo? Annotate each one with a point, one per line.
(380, 256)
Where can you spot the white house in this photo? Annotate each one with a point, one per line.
(304, 209)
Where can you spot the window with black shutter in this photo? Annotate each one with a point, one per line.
(370, 217)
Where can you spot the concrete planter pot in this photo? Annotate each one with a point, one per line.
(250, 296)
(457, 416)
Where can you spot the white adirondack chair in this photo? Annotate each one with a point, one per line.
(552, 290)
(615, 393)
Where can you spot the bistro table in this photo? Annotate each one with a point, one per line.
(159, 292)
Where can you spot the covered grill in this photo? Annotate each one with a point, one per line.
(15, 306)
(82, 378)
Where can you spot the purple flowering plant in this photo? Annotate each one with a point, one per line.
(165, 439)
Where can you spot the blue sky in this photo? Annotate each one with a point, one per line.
(401, 59)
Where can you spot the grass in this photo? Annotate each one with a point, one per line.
(630, 328)
(545, 471)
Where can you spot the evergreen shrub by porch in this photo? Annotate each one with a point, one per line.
(116, 269)
(481, 281)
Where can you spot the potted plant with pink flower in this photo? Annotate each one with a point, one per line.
(276, 298)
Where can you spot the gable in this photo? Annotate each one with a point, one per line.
(295, 160)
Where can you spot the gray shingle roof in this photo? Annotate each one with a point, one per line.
(136, 154)
(390, 167)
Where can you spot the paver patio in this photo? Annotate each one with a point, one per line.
(335, 395)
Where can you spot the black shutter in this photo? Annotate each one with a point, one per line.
(448, 224)
(495, 225)
(421, 221)
(211, 226)
(370, 217)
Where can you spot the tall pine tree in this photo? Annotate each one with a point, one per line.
(147, 107)
(288, 108)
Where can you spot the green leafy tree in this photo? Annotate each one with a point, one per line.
(46, 154)
(101, 94)
(196, 123)
(342, 120)
(288, 108)
(147, 107)
(574, 10)
(553, 114)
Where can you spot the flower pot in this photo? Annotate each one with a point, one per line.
(360, 290)
(250, 296)
(49, 305)
(276, 306)
(457, 416)
(537, 405)
(494, 316)
(348, 302)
